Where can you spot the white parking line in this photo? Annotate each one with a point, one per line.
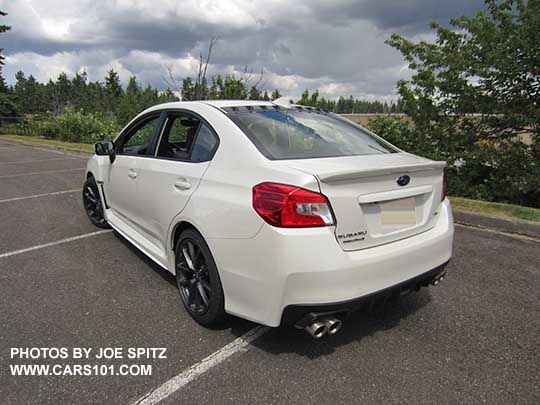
(39, 195)
(531, 238)
(44, 172)
(184, 378)
(58, 242)
(38, 160)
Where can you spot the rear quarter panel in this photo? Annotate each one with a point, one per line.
(221, 207)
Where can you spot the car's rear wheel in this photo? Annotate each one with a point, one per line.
(198, 279)
(92, 203)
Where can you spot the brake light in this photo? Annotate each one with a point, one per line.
(287, 206)
(443, 195)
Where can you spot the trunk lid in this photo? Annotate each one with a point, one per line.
(370, 205)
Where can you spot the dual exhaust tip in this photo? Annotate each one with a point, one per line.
(322, 326)
(438, 278)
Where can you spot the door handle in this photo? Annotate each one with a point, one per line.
(182, 184)
(132, 174)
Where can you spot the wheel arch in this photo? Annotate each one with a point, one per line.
(180, 227)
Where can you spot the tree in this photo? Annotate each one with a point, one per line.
(254, 93)
(8, 107)
(188, 89)
(166, 96)
(193, 90)
(130, 102)
(200, 82)
(214, 90)
(233, 89)
(113, 89)
(29, 94)
(61, 94)
(3, 28)
(489, 65)
(133, 89)
(275, 94)
(78, 90)
(252, 82)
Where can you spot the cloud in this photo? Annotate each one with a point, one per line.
(411, 16)
(336, 46)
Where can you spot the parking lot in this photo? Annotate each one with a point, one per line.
(64, 283)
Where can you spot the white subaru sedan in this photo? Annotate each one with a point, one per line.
(283, 215)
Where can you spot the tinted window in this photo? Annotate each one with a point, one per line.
(177, 138)
(138, 141)
(300, 134)
(205, 144)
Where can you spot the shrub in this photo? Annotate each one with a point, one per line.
(76, 126)
(501, 170)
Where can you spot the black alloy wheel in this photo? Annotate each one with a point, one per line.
(198, 280)
(92, 203)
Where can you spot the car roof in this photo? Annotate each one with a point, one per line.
(283, 102)
(236, 103)
(214, 103)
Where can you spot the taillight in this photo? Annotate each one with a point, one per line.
(287, 206)
(443, 195)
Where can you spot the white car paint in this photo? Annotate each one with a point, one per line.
(264, 268)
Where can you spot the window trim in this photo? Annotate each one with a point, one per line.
(134, 127)
(177, 111)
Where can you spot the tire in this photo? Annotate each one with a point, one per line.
(198, 280)
(92, 204)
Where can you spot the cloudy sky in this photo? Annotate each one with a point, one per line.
(336, 46)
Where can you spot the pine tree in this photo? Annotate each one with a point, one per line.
(130, 103)
(63, 90)
(113, 90)
(78, 88)
(3, 85)
(275, 94)
(254, 93)
(36, 96)
(113, 86)
(188, 89)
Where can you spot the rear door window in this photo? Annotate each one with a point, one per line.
(187, 138)
(178, 136)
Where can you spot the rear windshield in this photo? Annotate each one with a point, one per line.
(281, 133)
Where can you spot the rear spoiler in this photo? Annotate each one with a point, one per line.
(331, 177)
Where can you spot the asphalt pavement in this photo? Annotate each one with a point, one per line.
(474, 338)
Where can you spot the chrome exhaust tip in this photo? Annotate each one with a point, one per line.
(438, 279)
(316, 329)
(333, 325)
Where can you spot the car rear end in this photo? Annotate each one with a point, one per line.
(375, 224)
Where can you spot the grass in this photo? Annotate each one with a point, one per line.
(51, 142)
(506, 210)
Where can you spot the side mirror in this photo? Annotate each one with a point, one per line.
(105, 148)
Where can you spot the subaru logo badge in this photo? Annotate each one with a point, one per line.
(403, 180)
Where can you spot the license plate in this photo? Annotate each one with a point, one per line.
(400, 212)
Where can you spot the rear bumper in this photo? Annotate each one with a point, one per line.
(297, 314)
(286, 268)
